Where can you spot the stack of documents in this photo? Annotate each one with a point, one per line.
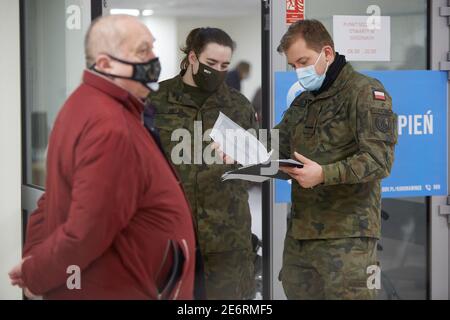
(262, 171)
(248, 151)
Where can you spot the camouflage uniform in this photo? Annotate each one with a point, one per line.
(221, 209)
(350, 132)
(328, 269)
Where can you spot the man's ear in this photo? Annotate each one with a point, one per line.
(329, 53)
(103, 62)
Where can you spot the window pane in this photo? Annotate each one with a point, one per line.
(403, 249)
(408, 28)
(403, 246)
(53, 62)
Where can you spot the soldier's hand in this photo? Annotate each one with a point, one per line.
(226, 159)
(309, 176)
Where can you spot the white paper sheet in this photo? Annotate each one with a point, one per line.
(238, 143)
(363, 38)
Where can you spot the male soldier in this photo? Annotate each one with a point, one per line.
(192, 102)
(343, 129)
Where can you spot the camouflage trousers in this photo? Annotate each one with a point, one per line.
(230, 275)
(329, 269)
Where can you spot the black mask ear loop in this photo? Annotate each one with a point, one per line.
(109, 75)
(153, 86)
(198, 60)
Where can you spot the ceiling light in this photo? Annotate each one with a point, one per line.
(130, 12)
(147, 13)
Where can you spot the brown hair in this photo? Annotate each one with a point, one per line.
(312, 31)
(243, 66)
(199, 38)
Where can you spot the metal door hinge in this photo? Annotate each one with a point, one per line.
(444, 210)
(445, 65)
(445, 12)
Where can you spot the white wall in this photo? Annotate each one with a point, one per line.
(245, 31)
(171, 33)
(164, 29)
(10, 144)
(74, 38)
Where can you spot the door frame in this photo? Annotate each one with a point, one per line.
(438, 246)
(439, 239)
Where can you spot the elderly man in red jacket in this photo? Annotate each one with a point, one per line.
(113, 209)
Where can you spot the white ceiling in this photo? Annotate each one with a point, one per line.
(191, 8)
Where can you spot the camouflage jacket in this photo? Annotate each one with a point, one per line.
(220, 209)
(351, 131)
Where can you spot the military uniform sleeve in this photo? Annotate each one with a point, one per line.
(252, 117)
(375, 128)
(283, 145)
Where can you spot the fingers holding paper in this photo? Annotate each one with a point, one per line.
(226, 158)
(309, 176)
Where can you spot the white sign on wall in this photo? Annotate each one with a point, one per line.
(360, 39)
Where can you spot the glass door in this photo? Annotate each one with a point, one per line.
(170, 22)
(404, 249)
(52, 41)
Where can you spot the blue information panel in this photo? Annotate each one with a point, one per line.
(420, 100)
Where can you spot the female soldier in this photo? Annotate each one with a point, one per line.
(192, 101)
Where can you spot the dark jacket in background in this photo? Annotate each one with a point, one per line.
(234, 80)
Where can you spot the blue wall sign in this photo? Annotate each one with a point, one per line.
(420, 100)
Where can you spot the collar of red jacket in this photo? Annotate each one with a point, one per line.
(131, 102)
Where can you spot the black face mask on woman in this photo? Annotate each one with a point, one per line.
(146, 73)
(207, 78)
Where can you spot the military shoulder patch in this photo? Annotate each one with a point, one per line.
(379, 95)
(383, 124)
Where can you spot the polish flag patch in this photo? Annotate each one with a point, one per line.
(379, 95)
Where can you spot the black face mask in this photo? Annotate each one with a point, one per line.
(146, 73)
(207, 78)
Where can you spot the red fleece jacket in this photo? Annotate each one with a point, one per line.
(111, 205)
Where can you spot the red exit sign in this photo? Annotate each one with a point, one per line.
(295, 10)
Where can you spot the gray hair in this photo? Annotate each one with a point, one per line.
(106, 35)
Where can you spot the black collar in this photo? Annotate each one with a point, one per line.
(332, 73)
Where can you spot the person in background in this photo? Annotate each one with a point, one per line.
(238, 74)
(113, 209)
(193, 99)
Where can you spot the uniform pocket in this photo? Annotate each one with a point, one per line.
(224, 220)
(332, 112)
(173, 130)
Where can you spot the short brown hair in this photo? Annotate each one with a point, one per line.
(312, 31)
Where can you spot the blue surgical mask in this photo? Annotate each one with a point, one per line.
(308, 77)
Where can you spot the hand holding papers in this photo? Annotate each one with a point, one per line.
(238, 143)
(248, 151)
(262, 171)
